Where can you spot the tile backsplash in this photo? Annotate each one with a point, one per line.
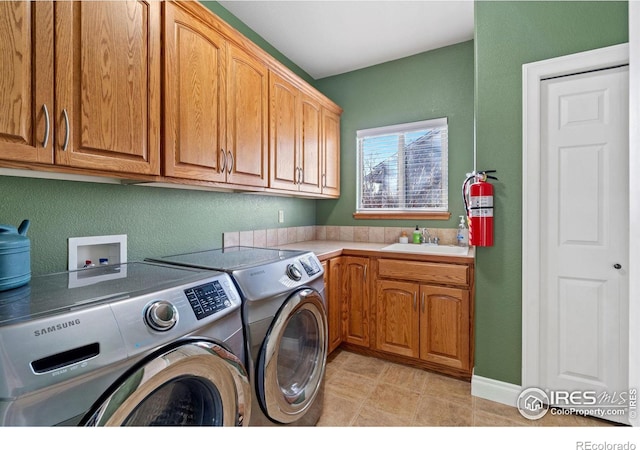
(274, 237)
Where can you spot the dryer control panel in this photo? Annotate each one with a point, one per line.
(207, 299)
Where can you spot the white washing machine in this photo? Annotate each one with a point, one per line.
(135, 344)
(284, 316)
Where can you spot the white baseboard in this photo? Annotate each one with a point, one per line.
(495, 390)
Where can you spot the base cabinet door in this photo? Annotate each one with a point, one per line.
(356, 296)
(445, 326)
(333, 297)
(397, 323)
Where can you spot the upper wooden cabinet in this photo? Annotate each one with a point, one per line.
(247, 119)
(158, 91)
(331, 153)
(295, 121)
(107, 84)
(304, 141)
(26, 81)
(195, 57)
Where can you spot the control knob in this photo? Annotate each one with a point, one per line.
(161, 315)
(293, 272)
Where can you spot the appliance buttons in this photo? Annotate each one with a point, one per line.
(161, 315)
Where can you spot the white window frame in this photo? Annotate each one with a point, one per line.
(395, 129)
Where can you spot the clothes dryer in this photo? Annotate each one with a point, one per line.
(129, 344)
(285, 322)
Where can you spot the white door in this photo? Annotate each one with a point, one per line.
(584, 228)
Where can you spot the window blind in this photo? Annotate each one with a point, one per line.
(403, 167)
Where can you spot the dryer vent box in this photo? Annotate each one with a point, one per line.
(108, 249)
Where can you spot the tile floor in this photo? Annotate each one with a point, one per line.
(366, 391)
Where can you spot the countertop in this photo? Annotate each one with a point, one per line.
(330, 249)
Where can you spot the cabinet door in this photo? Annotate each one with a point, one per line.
(445, 326)
(397, 318)
(194, 97)
(356, 295)
(247, 120)
(310, 146)
(335, 305)
(26, 81)
(107, 62)
(284, 134)
(331, 155)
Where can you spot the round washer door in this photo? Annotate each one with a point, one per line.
(293, 357)
(194, 383)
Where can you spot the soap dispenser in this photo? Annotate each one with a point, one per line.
(416, 235)
(463, 233)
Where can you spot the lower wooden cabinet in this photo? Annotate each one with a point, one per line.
(431, 323)
(333, 297)
(355, 293)
(409, 311)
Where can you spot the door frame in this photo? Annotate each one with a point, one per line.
(532, 75)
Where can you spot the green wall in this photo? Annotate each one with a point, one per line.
(429, 85)
(157, 221)
(508, 35)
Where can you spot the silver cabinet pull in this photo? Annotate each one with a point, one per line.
(231, 161)
(365, 272)
(47, 126)
(66, 130)
(415, 301)
(301, 175)
(422, 302)
(324, 180)
(224, 160)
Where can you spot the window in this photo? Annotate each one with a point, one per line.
(403, 168)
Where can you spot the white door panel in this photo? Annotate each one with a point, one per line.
(584, 232)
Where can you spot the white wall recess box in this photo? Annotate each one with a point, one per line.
(109, 249)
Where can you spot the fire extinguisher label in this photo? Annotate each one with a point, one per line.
(481, 201)
(481, 212)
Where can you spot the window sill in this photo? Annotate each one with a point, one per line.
(403, 215)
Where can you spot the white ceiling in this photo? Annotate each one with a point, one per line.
(327, 38)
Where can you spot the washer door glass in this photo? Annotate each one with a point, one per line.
(293, 357)
(196, 383)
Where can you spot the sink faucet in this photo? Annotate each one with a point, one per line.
(426, 238)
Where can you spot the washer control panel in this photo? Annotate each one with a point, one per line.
(207, 299)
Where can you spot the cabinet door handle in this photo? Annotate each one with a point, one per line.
(224, 160)
(301, 176)
(365, 272)
(66, 130)
(47, 126)
(231, 161)
(324, 180)
(422, 301)
(415, 301)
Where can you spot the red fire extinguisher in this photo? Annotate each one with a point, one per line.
(478, 201)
